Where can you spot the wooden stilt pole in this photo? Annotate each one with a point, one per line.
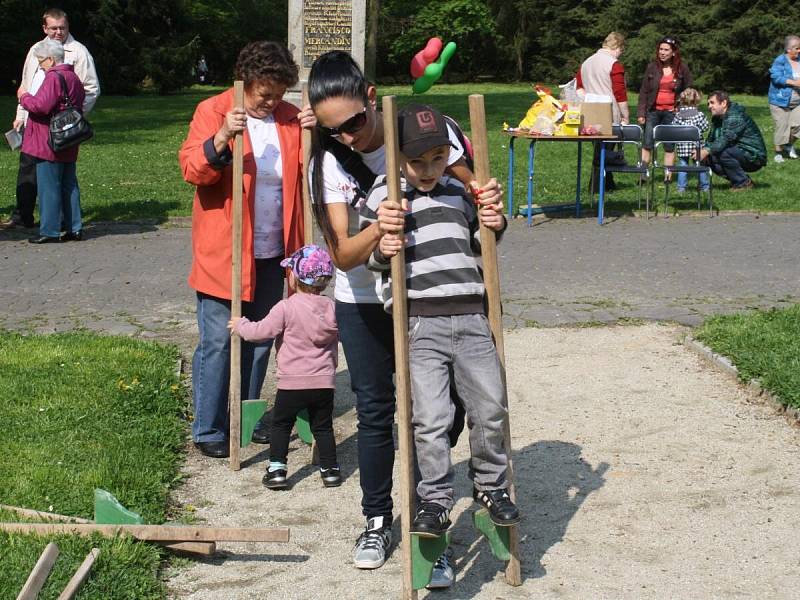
(402, 374)
(480, 144)
(32, 587)
(235, 393)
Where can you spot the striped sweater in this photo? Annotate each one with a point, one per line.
(443, 241)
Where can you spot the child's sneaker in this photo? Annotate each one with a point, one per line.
(443, 575)
(779, 158)
(331, 477)
(276, 480)
(431, 520)
(501, 509)
(372, 545)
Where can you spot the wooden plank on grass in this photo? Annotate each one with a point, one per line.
(40, 514)
(42, 568)
(156, 533)
(80, 576)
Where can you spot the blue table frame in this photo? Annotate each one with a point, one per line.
(513, 135)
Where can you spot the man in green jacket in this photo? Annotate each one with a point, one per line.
(734, 146)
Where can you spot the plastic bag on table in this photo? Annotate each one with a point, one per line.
(543, 125)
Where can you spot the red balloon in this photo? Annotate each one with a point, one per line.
(425, 57)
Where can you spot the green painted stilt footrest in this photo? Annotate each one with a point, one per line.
(303, 427)
(108, 511)
(498, 537)
(252, 411)
(424, 553)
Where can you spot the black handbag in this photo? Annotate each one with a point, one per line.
(68, 127)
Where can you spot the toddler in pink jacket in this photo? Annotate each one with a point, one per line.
(306, 342)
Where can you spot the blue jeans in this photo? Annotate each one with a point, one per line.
(367, 337)
(732, 164)
(653, 118)
(58, 193)
(464, 344)
(683, 178)
(211, 362)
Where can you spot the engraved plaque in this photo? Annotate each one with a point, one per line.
(327, 25)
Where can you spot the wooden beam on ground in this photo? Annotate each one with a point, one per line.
(80, 576)
(156, 533)
(402, 374)
(491, 276)
(204, 548)
(235, 390)
(40, 514)
(42, 568)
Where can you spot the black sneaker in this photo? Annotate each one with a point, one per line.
(431, 520)
(276, 480)
(501, 509)
(331, 477)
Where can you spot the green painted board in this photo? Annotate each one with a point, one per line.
(424, 553)
(108, 511)
(303, 427)
(252, 411)
(498, 537)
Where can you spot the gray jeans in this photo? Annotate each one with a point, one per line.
(463, 343)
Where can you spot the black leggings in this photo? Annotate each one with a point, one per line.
(319, 404)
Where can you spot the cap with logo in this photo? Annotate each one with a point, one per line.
(421, 128)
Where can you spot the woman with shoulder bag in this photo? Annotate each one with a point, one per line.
(55, 171)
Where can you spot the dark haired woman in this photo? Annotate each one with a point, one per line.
(272, 225)
(664, 80)
(349, 146)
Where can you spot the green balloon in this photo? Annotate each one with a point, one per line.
(434, 70)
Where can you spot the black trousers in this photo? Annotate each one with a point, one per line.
(26, 188)
(288, 403)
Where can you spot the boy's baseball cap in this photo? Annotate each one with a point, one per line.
(420, 128)
(310, 264)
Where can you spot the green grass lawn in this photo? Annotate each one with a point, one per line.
(130, 170)
(762, 345)
(81, 411)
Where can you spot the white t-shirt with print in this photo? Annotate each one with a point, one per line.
(359, 285)
(268, 225)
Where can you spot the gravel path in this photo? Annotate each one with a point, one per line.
(642, 471)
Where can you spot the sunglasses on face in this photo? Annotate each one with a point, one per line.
(351, 125)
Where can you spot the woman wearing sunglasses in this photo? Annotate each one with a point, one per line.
(344, 104)
(664, 80)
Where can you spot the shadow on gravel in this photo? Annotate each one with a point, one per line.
(552, 482)
(224, 556)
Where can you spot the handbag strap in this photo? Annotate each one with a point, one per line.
(64, 92)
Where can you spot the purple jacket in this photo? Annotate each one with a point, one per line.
(41, 107)
(306, 339)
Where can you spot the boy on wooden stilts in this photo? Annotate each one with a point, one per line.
(448, 329)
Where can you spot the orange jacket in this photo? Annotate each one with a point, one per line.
(212, 209)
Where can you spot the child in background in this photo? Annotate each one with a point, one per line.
(689, 114)
(448, 330)
(306, 342)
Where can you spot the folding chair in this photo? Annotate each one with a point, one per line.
(628, 134)
(680, 134)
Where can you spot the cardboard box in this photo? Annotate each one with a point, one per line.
(597, 115)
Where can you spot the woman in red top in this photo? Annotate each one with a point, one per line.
(664, 80)
(272, 225)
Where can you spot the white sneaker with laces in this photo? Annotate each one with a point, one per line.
(792, 152)
(372, 545)
(443, 575)
(779, 158)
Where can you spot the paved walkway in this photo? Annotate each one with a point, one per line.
(131, 278)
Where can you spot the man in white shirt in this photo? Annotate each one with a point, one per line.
(56, 27)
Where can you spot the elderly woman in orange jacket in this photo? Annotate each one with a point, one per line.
(272, 225)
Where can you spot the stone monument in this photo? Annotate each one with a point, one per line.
(317, 26)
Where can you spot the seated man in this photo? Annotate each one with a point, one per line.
(734, 146)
